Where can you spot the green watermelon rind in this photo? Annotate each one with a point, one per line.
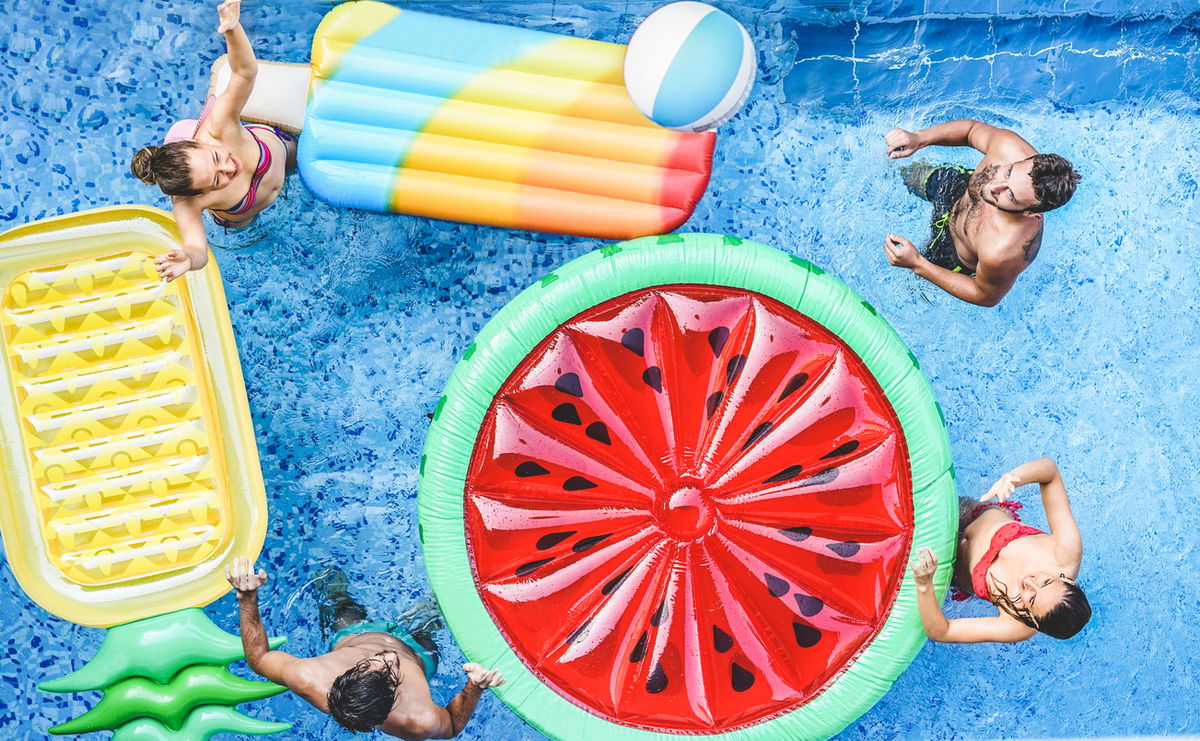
(638, 264)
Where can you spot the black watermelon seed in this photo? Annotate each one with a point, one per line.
(657, 681)
(845, 550)
(566, 413)
(532, 566)
(717, 339)
(722, 641)
(653, 378)
(742, 679)
(586, 543)
(757, 434)
(822, 477)
(568, 383)
(841, 450)
(808, 605)
(806, 635)
(529, 468)
(793, 385)
(635, 340)
(576, 483)
(639, 649)
(776, 586)
(615, 582)
(553, 539)
(578, 632)
(786, 474)
(598, 432)
(713, 402)
(798, 533)
(657, 618)
(734, 367)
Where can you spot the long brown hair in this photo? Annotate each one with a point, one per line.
(166, 167)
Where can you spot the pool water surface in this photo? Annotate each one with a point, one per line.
(349, 323)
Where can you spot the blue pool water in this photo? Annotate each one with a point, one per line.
(349, 323)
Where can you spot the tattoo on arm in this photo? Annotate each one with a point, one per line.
(1032, 246)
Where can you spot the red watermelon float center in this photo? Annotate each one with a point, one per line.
(689, 509)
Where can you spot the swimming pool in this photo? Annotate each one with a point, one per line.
(349, 323)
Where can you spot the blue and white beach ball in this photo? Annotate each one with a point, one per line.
(689, 66)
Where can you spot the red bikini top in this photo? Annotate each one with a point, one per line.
(1006, 534)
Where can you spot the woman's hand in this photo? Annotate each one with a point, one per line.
(229, 13)
(242, 577)
(923, 568)
(173, 263)
(1003, 489)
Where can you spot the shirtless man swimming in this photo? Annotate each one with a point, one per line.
(376, 675)
(987, 222)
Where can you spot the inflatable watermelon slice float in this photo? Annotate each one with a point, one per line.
(673, 489)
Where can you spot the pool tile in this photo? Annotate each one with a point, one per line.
(813, 41)
(1082, 79)
(829, 81)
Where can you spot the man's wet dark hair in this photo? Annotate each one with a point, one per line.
(1067, 617)
(362, 697)
(1054, 180)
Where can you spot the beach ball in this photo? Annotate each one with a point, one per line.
(689, 66)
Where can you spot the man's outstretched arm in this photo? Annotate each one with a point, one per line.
(447, 722)
(964, 132)
(985, 289)
(259, 656)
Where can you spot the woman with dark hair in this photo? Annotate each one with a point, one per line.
(1029, 575)
(234, 171)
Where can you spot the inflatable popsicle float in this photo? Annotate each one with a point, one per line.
(455, 119)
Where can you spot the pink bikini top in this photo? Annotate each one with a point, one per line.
(264, 164)
(1006, 534)
(188, 128)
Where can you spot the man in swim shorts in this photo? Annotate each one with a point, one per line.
(376, 674)
(987, 222)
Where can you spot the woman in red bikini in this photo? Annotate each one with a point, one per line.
(235, 171)
(1029, 575)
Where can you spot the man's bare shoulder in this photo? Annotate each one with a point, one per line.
(311, 678)
(1003, 147)
(1006, 146)
(1013, 248)
(416, 719)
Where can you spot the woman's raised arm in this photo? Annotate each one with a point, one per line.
(1068, 541)
(225, 116)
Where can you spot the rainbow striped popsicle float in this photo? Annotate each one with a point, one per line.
(467, 121)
